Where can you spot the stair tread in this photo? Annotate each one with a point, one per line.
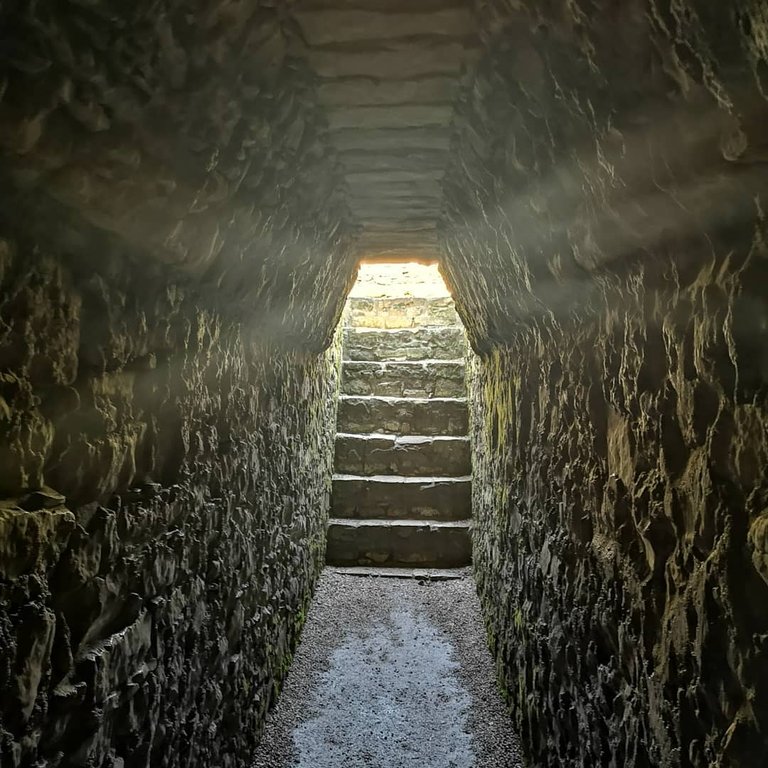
(400, 312)
(403, 572)
(405, 479)
(427, 416)
(404, 439)
(442, 342)
(402, 543)
(398, 399)
(404, 378)
(413, 455)
(400, 497)
(378, 522)
(416, 329)
(411, 363)
(395, 361)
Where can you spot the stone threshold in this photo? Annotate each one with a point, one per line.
(404, 480)
(421, 574)
(404, 439)
(401, 331)
(378, 522)
(421, 362)
(408, 400)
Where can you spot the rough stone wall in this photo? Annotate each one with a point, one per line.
(609, 260)
(399, 295)
(166, 476)
(174, 258)
(194, 134)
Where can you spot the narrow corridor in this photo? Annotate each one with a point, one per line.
(189, 192)
(390, 673)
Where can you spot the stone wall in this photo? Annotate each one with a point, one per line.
(166, 474)
(174, 257)
(400, 313)
(193, 135)
(399, 295)
(620, 506)
(609, 260)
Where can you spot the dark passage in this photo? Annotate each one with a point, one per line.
(187, 192)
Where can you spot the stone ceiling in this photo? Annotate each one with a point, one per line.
(257, 149)
(389, 72)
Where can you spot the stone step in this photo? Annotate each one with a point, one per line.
(430, 343)
(403, 415)
(422, 378)
(409, 456)
(400, 498)
(418, 574)
(406, 312)
(399, 543)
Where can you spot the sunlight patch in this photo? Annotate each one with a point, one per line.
(400, 279)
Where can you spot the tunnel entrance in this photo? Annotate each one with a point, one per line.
(393, 668)
(402, 484)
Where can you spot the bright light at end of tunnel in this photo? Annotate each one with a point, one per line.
(399, 279)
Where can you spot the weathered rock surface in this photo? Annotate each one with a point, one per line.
(166, 474)
(390, 71)
(418, 344)
(195, 136)
(392, 496)
(403, 416)
(409, 456)
(434, 378)
(183, 194)
(399, 543)
(605, 238)
(400, 313)
(175, 248)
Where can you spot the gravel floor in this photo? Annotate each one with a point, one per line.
(390, 673)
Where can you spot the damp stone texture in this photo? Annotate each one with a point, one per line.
(402, 486)
(605, 237)
(166, 478)
(174, 258)
(185, 194)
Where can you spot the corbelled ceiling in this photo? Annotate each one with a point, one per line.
(389, 71)
(254, 149)
(258, 149)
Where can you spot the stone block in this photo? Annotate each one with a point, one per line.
(438, 378)
(393, 497)
(409, 456)
(431, 343)
(406, 312)
(403, 416)
(409, 543)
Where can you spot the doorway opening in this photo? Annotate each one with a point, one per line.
(402, 486)
(399, 295)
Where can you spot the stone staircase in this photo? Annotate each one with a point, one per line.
(402, 489)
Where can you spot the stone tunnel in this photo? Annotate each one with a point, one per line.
(186, 192)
